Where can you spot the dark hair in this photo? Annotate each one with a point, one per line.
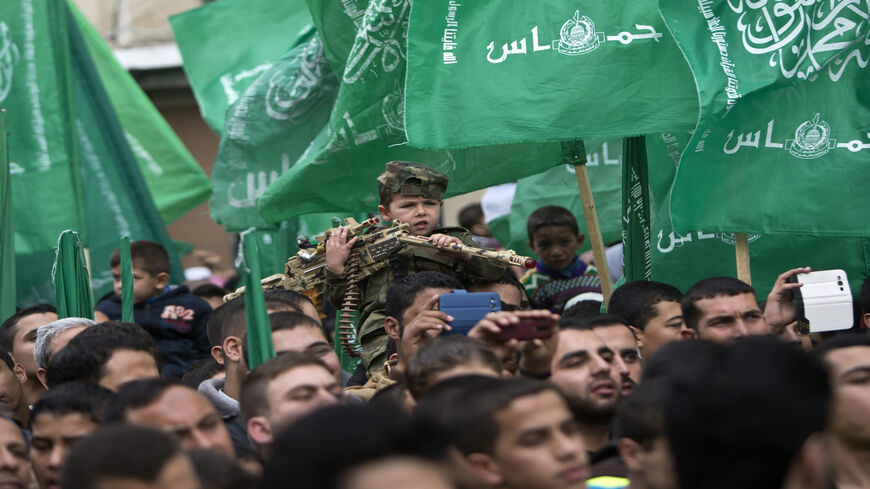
(475, 428)
(590, 322)
(402, 294)
(641, 414)
(217, 470)
(582, 308)
(442, 354)
(506, 278)
(319, 451)
(147, 255)
(86, 355)
(391, 397)
(10, 326)
(137, 394)
(439, 403)
(209, 290)
(673, 357)
(82, 398)
(120, 451)
(228, 319)
(7, 359)
(252, 397)
(200, 371)
(864, 298)
(292, 298)
(751, 410)
(550, 215)
(291, 320)
(847, 339)
(470, 215)
(707, 289)
(636, 301)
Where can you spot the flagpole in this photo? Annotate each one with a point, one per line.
(741, 248)
(574, 154)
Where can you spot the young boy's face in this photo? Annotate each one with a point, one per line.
(420, 213)
(145, 285)
(556, 245)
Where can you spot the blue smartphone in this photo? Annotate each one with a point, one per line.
(467, 308)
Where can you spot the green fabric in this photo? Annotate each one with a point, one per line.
(337, 173)
(558, 186)
(781, 145)
(225, 45)
(7, 230)
(683, 259)
(127, 298)
(260, 346)
(267, 129)
(511, 71)
(175, 180)
(635, 211)
(73, 297)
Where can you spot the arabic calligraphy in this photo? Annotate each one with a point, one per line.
(291, 98)
(676, 241)
(577, 36)
(807, 36)
(8, 57)
(384, 34)
(812, 139)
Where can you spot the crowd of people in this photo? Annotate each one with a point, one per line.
(711, 388)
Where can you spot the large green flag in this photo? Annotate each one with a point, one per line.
(782, 143)
(7, 230)
(683, 259)
(366, 127)
(268, 128)
(510, 71)
(226, 45)
(175, 180)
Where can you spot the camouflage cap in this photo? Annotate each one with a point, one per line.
(412, 179)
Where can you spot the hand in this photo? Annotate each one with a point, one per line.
(338, 249)
(536, 354)
(780, 310)
(427, 324)
(442, 240)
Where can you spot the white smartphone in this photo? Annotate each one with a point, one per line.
(824, 300)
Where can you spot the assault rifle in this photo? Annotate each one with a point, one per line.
(305, 272)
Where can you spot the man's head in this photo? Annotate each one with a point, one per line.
(282, 390)
(174, 408)
(150, 269)
(18, 333)
(471, 218)
(354, 447)
(60, 418)
(412, 193)
(643, 443)
(753, 416)
(554, 236)
(294, 331)
(211, 293)
(407, 297)
(620, 338)
(847, 357)
(108, 354)
(446, 357)
(278, 300)
(519, 434)
(584, 368)
(14, 455)
(653, 309)
(511, 292)
(52, 337)
(125, 457)
(723, 310)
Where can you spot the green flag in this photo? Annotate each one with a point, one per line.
(127, 297)
(783, 140)
(226, 45)
(175, 180)
(366, 128)
(683, 259)
(7, 230)
(511, 71)
(260, 346)
(73, 297)
(635, 211)
(268, 128)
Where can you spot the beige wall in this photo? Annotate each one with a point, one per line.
(128, 23)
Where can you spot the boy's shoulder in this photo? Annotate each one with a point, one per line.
(180, 294)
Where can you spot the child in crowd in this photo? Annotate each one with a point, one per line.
(173, 316)
(561, 274)
(411, 193)
(471, 218)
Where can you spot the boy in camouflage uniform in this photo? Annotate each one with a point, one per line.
(411, 193)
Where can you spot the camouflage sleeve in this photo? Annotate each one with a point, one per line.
(477, 268)
(335, 288)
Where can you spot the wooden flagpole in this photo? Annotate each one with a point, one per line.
(741, 248)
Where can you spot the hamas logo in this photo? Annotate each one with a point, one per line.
(728, 238)
(578, 36)
(811, 140)
(8, 57)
